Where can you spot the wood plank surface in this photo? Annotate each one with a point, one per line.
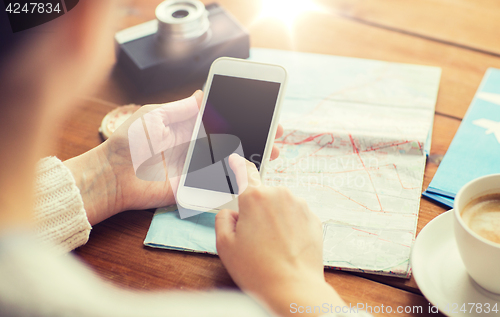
(469, 23)
(411, 35)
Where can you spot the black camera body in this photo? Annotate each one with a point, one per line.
(179, 47)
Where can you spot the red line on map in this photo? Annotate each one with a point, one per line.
(356, 202)
(341, 172)
(404, 245)
(341, 91)
(355, 149)
(385, 145)
(346, 196)
(375, 234)
(308, 139)
(365, 231)
(316, 138)
(397, 173)
(285, 137)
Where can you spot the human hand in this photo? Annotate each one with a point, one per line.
(273, 247)
(106, 175)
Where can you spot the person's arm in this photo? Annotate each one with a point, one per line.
(59, 214)
(89, 188)
(272, 247)
(37, 282)
(106, 183)
(97, 184)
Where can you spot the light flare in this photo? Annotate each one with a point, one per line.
(287, 11)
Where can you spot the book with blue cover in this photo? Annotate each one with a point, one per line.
(475, 149)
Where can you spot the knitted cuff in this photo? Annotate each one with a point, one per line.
(60, 218)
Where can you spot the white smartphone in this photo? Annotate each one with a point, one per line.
(239, 113)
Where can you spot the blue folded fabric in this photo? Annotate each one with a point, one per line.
(194, 234)
(475, 149)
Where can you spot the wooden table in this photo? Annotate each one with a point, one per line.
(460, 36)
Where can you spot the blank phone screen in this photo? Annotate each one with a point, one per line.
(238, 107)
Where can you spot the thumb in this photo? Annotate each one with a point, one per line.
(225, 226)
(173, 112)
(198, 95)
(239, 168)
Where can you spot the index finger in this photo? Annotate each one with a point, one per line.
(279, 131)
(246, 173)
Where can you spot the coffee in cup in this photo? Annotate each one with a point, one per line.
(477, 230)
(482, 215)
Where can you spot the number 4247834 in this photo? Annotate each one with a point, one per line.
(33, 7)
(471, 308)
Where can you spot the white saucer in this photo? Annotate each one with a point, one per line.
(440, 273)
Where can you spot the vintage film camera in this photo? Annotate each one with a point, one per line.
(180, 45)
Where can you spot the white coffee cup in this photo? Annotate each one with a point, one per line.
(481, 257)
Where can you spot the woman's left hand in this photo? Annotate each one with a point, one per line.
(131, 169)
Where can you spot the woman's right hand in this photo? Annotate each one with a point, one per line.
(272, 248)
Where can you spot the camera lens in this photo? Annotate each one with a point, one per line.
(179, 14)
(181, 20)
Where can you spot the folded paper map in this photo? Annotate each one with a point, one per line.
(356, 136)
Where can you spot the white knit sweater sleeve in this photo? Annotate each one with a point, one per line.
(60, 218)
